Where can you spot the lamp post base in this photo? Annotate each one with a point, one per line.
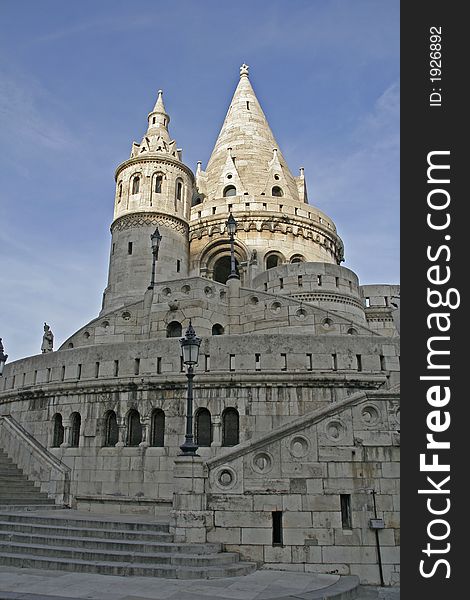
(188, 448)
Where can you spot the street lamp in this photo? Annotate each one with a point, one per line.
(190, 351)
(3, 358)
(231, 225)
(155, 238)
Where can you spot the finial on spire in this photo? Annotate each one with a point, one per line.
(244, 70)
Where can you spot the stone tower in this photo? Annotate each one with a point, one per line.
(153, 188)
(247, 175)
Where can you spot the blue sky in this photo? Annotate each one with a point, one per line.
(77, 80)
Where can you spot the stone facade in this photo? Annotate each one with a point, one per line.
(297, 386)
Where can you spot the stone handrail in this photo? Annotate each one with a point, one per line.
(36, 462)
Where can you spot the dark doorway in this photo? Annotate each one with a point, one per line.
(222, 269)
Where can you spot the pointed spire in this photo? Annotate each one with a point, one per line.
(246, 131)
(159, 117)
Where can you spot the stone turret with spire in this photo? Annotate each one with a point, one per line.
(153, 188)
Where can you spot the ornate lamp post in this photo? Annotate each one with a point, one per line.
(155, 238)
(232, 228)
(3, 358)
(190, 350)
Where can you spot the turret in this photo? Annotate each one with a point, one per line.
(153, 188)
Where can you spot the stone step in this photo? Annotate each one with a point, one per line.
(75, 521)
(28, 507)
(12, 558)
(39, 500)
(111, 555)
(118, 545)
(66, 530)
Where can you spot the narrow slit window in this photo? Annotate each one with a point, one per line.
(116, 368)
(248, 105)
(159, 365)
(334, 360)
(79, 371)
(158, 184)
(346, 520)
(136, 185)
(382, 363)
(283, 362)
(97, 369)
(178, 266)
(62, 373)
(367, 302)
(277, 528)
(214, 209)
(232, 362)
(309, 362)
(299, 281)
(48, 375)
(319, 280)
(359, 362)
(265, 287)
(181, 364)
(136, 366)
(265, 206)
(35, 377)
(281, 283)
(337, 281)
(129, 248)
(257, 362)
(207, 362)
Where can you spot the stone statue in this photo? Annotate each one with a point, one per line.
(47, 339)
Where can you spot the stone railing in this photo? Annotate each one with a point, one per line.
(36, 462)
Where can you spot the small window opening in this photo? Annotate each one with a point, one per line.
(230, 207)
(346, 521)
(299, 281)
(129, 248)
(97, 369)
(62, 373)
(181, 364)
(199, 214)
(248, 105)
(136, 366)
(309, 362)
(283, 362)
(79, 371)
(178, 266)
(265, 287)
(367, 302)
(319, 280)
(277, 528)
(281, 283)
(114, 248)
(207, 362)
(281, 206)
(359, 362)
(35, 377)
(337, 281)
(277, 192)
(159, 365)
(334, 360)
(296, 210)
(382, 363)
(153, 120)
(158, 184)
(136, 185)
(179, 190)
(247, 205)
(265, 206)
(257, 362)
(230, 190)
(116, 368)
(232, 362)
(214, 210)
(48, 375)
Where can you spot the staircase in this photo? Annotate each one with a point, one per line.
(115, 546)
(16, 491)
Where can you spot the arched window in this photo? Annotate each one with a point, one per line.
(217, 329)
(197, 201)
(222, 269)
(157, 428)
(230, 427)
(58, 437)
(203, 427)
(120, 191)
(174, 329)
(297, 258)
(277, 191)
(76, 422)
(179, 189)
(272, 261)
(136, 185)
(230, 190)
(158, 184)
(111, 432)
(134, 428)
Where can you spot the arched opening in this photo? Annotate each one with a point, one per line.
(277, 191)
(76, 422)
(179, 189)
(158, 184)
(197, 201)
(272, 261)
(230, 427)
(134, 428)
(111, 431)
(157, 428)
(217, 329)
(222, 269)
(203, 427)
(58, 436)
(230, 190)
(297, 258)
(136, 185)
(174, 329)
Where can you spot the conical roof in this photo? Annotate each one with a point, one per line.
(247, 142)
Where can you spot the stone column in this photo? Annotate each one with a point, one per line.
(190, 518)
(121, 433)
(145, 433)
(216, 431)
(67, 427)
